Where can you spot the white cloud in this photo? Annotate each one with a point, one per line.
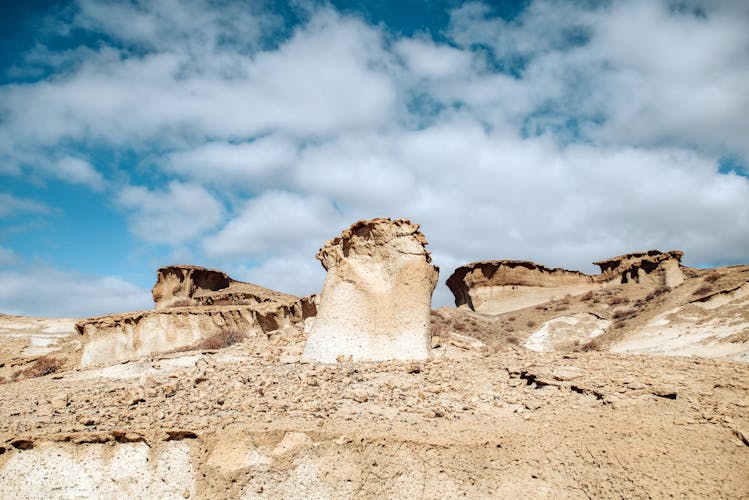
(296, 273)
(38, 291)
(274, 223)
(569, 134)
(175, 215)
(11, 205)
(78, 171)
(426, 59)
(7, 257)
(245, 166)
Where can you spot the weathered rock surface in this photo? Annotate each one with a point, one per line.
(499, 286)
(376, 301)
(182, 285)
(192, 304)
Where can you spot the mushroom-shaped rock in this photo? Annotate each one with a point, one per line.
(376, 301)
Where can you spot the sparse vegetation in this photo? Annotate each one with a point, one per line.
(591, 345)
(222, 338)
(513, 340)
(703, 290)
(530, 324)
(615, 301)
(657, 293)
(623, 313)
(41, 367)
(712, 278)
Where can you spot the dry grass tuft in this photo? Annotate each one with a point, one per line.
(41, 367)
(703, 290)
(712, 278)
(615, 301)
(591, 345)
(221, 339)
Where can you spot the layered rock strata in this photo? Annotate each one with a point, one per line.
(376, 301)
(192, 304)
(182, 285)
(498, 286)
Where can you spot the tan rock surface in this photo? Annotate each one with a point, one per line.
(192, 304)
(506, 422)
(376, 300)
(499, 286)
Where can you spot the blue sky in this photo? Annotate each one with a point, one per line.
(242, 135)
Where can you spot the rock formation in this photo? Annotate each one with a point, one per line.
(497, 286)
(376, 301)
(192, 304)
(181, 285)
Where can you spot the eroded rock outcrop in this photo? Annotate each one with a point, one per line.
(192, 304)
(498, 286)
(376, 301)
(182, 285)
(652, 267)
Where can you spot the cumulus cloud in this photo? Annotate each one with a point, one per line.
(175, 215)
(246, 166)
(572, 132)
(274, 223)
(39, 291)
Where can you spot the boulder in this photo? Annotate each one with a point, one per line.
(376, 301)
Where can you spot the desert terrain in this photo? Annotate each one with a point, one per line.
(540, 383)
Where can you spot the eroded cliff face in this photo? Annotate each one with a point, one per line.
(182, 285)
(652, 267)
(192, 304)
(376, 301)
(498, 286)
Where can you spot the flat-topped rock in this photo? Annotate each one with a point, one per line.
(185, 285)
(497, 286)
(376, 301)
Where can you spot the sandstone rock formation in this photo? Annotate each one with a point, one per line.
(181, 285)
(192, 304)
(376, 301)
(498, 286)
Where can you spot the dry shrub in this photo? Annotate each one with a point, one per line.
(530, 324)
(459, 326)
(712, 278)
(703, 290)
(513, 340)
(587, 296)
(512, 318)
(221, 339)
(623, 313)
(591, 345)
(661, 290)
(618, 324)
(42, 366)
(615, 301)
